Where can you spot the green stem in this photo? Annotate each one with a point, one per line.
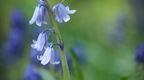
(66, 73)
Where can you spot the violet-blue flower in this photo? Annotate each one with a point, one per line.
(48, 56)
(139, 56)
(41, 40)
(62, 13)
(32, 73)
(40, 14)
(14, 44)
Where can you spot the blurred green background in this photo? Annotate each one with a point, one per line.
(108, 29)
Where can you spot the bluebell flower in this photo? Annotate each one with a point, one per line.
(139, 56)
(15, 42)
(48, 56)
(62, 13)
(32, 73)
(41, 41)
(17, 20)
(40, 14)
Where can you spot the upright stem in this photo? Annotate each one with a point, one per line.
(66, 73)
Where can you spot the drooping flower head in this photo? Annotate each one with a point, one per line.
(62, 13)
(40, 14)
(40, 43)
(48, 56)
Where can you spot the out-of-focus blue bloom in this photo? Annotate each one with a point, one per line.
(15, 42)
(139, 56)
(79, 50)
(62, 13)
(32, 73)
(40, 14)
(41, 41)
(48, 56)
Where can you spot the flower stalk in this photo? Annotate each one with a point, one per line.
(66, 73)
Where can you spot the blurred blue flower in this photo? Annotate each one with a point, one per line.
(15, 43)
(32, 73)
(40, 14)
(17, 20)
(79, 50)
(139, 56)
(62, 13)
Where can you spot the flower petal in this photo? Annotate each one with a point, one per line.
(59, 19)
(38, 23)
(66, 18)
(46, 56)
(35, 15)
(52, 60)
(70, 11)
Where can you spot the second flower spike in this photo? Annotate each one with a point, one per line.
(40, 14)
(62, 13)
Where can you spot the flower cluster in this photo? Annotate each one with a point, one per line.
(42, 44)
(41, 13)
(40, 17)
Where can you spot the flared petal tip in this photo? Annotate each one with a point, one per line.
(56, 62)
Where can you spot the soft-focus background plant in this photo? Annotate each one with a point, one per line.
(107, 32)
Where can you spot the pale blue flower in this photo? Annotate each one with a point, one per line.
(62, 13)
(32, 73)
(40, 42)
(48, 56)
(40, 14)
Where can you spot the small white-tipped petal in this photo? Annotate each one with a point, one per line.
(35, 15)
(46, 56)
(34, 41)
(33, 45)
(44, 22)
(39, 57)
(56, 62)
(39, 23)
(66, 18)
(70, 11)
